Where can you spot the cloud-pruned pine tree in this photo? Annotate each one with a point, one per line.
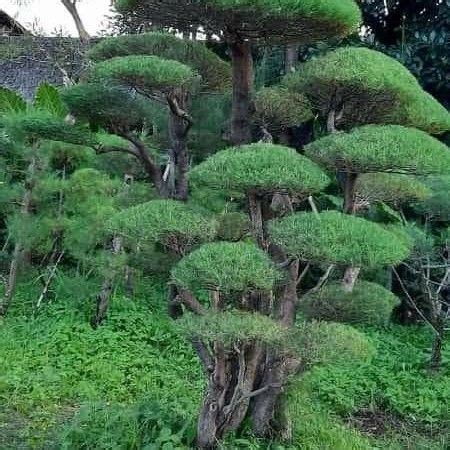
(242, 23)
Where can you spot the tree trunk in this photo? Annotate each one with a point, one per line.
(289, 298)
(242, 63)
(291, 57)
(179, 125)
(256, 216)
(103, 298)
(71, 6)
(349, 192)
(350, 278)
(18, 248)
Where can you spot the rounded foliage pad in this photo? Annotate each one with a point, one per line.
(215, 72)
(107, 106)
(368, 303)
(277, 108)
(168, 222)
(366, 86)
(261, 168)
(226, 267)
(391, 188)
(145, 73)
(287, 21)
(381, 148)
(336, 238)
(437, 206)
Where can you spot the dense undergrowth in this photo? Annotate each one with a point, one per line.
(133, 384)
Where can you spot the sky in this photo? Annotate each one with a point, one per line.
(51, 15)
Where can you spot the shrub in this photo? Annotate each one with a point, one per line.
(437, 206)
(226, 267)
(368, 303)
(376, 148)
(265, 168)
(333, 237)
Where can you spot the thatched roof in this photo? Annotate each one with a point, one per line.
(10, 26)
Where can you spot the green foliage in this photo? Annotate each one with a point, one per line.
(264, 168)
(368, 303)
(146, 73)
(371, 87)
(394, 189)
(48, 98)
(43, 125)
(277, 108)
(233, 226)
(378, 148)
(11, 102)
(333, 237)
(215, 72)
(169, 222)
(226, 267)
(437, 206)
(147, 425)
(107, 106)
(304, 21)
(229, 327)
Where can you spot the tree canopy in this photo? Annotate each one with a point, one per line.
(336, 238)
(260, 167)
(215, 72)
(305, 21)
(366, 86)
(381, 148)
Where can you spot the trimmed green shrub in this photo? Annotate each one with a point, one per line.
(336, 238)
(277, 108)
(381, 148)
(169, 222)
(226, 267)
(107, 106)
(43, 125)
(146, 73)
(394, 189)
(305, 21)
(215, 72)
(368, 303)
(233, 226)
(369, 87)
(264, 168)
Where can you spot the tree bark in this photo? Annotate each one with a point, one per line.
(256, 217)
(242, 66)
(291, 57)
(350, 277)
(289, 298)
(103, 298)
(349, 192)
(71, 6)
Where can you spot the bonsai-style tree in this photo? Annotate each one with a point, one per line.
(353, 86)
(240, 24)
(379, 148)
(28, 127)
(158, 66)
(232, 338)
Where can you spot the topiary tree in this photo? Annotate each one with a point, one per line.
(160, 67)
(339, 239)
(355, 86)
(232, 339)
(379, 148)
(240, 24)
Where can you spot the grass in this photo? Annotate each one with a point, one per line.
(135, 384)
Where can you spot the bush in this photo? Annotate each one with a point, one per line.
(333, 237)
(368, 303)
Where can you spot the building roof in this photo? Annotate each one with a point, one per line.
(9, 23)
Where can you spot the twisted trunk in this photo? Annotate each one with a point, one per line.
(71, 6)
(256, 216)
(242, 66)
